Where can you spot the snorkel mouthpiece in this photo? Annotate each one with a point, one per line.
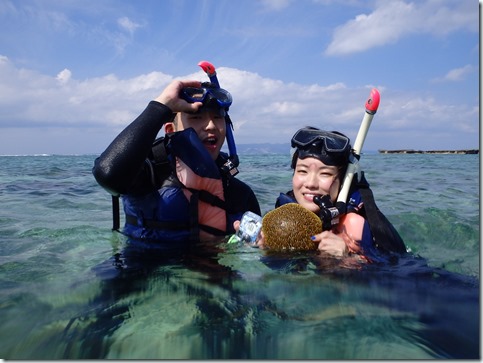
(329, 214)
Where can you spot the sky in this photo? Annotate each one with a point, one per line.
(74, 73)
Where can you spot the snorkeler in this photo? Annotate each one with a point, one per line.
(320, 160)
(180, 187)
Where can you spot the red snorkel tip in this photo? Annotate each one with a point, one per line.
(372, 102)
(208, 68)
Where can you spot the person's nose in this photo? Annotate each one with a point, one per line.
(210, 121)
(210, 125)
(312, 182)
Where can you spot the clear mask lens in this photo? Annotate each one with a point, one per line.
(193, 94)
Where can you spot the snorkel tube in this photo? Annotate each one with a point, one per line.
(329, 214)
(372, 105)
(233, 161)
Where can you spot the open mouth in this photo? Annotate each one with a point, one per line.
(210, 142)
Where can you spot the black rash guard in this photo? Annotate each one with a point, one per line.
(121, 168)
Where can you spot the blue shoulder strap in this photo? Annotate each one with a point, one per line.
(285, 198)
(188, 147)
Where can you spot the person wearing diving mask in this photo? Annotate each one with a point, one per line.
(179, 188)
(320, 160)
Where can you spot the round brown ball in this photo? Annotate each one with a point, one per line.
(289, 228)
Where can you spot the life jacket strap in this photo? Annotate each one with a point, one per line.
(160, 164)
(174, 226)
(194, 225)
(116, 221)
(209, 198)
(154, 224)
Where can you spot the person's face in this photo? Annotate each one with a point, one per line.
(313, 178)
(209, 125)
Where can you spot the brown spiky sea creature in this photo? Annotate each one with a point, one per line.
(289, 228)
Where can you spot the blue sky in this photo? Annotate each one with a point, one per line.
(74, 73)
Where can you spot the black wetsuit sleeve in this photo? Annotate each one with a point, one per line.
(122, 167)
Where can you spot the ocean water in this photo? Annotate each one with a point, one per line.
(71, 290)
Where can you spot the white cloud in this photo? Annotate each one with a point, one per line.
(64, 76)
(127, 24)
(264, 110)
(275, 5)
(394, 19)
(457, 74)
(89, 101)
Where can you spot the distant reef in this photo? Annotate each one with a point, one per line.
(410, 151)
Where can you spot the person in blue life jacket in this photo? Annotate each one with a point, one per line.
(178, 188)
(320, 159)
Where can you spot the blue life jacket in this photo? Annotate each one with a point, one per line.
(170, 214)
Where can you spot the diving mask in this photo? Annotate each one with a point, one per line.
(332, 148)
(206, 94)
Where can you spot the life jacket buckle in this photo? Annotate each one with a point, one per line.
(229, 168)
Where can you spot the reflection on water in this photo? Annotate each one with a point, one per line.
(236, 303)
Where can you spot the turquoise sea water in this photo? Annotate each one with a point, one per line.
(70, 290)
